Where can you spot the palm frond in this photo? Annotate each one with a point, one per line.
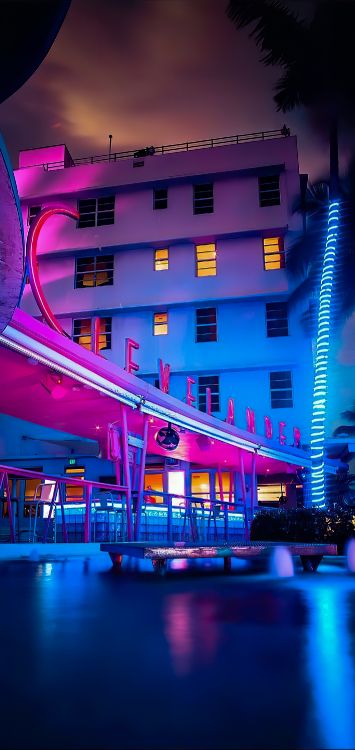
(272, 24)
(349, 414)
(346, 430)
(303, 291)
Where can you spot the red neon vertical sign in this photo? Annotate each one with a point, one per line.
(130, 365)
(268, 427)
(230, 411)
(251, 420)
(297, 437)
(31, 256)
(190, 398)
(164, 376)
(282, 437)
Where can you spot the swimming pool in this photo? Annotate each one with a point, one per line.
(91, 658)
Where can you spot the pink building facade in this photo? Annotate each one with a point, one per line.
(184, 253)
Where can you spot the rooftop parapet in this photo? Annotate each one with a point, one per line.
(58, 157)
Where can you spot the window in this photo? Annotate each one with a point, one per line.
(73, 492)
(32, 212)
(94, 212)
(200, 484)
(206, 264)
(277, 319)
(160, 198)
(160, 325)
(203, 198)
(161, 259)
(32, 488)
(94, 271)
(153, 482)
(281, 390)
(269, 191)
(212, 382)
(271, 493)
(83, 333)
(105, 333)
(274, 253)
(206, 324)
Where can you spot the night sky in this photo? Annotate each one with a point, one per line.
(149, 72)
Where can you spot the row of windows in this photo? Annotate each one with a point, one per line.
(205, 326)
(98, 270)
(206, 330)
(280, 383)
(96, 212)
(206, 322)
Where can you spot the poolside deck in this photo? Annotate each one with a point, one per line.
(159, 553)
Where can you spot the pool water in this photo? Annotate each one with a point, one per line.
(93, 658)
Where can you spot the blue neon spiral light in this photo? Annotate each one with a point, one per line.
(321, 359)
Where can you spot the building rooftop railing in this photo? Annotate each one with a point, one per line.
(170, 148)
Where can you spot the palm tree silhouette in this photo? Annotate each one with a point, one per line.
(315, 55)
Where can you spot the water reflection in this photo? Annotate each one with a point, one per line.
(330, 665)
(191, 631)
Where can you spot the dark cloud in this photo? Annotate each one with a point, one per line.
(149, 72)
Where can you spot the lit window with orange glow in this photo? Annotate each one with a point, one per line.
(74, 492)
(274, 253)
(105, 333)
(160, 325)
(206, 264)
(161, 259)
(82, 332)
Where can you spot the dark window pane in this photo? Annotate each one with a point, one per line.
(33, 211)
(281, 390)
(160, 198)
(203, 199)
(95, 271)
(212, 382)
(206, 324)
(269, 190)
(277, 319)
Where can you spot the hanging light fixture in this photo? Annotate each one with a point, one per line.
(167, 438)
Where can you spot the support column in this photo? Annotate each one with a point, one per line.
(127, 475)
(244, 493)
(170, 518)
(141, 473)
(87, 524)
(4, 482)
(46, 527)
(225, 507)
(61, 500)
(253, 485)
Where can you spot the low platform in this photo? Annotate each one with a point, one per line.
(159, 553)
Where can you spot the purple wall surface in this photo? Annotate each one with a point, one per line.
(11, 241)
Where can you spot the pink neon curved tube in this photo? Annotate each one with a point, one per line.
(31, 254)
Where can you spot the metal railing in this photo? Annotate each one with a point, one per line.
(196, 515)
(168, 149)
(9, 473)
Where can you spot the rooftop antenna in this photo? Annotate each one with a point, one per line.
(109, 148)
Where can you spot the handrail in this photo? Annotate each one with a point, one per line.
(189, 498)
(29, 474)
(170, 148)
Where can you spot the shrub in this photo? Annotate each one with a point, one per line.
(304, 525)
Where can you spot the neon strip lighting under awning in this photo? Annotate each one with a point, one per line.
(30, 347)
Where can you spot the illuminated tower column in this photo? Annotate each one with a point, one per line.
(321, 359)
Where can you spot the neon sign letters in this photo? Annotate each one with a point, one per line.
(131, 366)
